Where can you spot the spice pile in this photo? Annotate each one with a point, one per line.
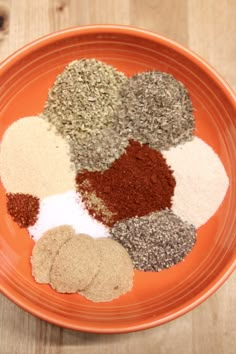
(23, 208)
(136, 184)
(155, 109)
(66, 209)
(156, 241)
(81, 105)
(100, 270)
(114, 158)
(34, 159)
(202, 181)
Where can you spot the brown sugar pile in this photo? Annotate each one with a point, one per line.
(75, 265)
(101, 270)
(115, 276)
(45, 251)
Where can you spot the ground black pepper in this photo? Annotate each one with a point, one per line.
(155, 241)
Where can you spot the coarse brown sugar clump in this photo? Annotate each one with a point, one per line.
(155, 109)
(81, 104)
(101, 270)
(75, 265)
(46, 249)
(115, 276)
(156, 241)
(137, 183)
(23, 208)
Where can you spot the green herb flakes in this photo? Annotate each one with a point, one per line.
(155, 109)
(80, 105)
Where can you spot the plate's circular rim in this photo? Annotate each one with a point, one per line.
(145, 34)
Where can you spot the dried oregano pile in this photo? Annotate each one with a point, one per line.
(81, 105)
(155, 109)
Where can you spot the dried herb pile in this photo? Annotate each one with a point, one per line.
(101, 270)
(97, 110)
(81, 105)
(155, 109)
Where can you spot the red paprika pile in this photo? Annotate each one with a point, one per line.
(136, 184)
(23, 208)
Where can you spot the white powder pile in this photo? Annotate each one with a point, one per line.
(201, 181)
(66, 209)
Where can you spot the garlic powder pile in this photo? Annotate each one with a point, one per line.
(201, 181)
(34, 159)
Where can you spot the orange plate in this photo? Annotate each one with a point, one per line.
(156, 297)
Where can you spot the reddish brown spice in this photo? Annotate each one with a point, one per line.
(136, 184)
(23, 208)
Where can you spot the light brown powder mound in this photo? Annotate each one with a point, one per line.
(46, 249)
(34, 159)
(76, 264)
(115, 276)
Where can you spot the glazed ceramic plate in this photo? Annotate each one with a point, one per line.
(156, 297)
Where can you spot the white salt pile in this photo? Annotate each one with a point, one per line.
(201, 181)
(66, 209)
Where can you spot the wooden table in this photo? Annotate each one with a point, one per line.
(206, 26)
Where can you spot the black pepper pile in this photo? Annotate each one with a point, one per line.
(156, 241)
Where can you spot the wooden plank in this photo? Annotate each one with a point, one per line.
(168, 18)
(212, 34)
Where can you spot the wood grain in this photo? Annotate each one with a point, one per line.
(206, 26)
(169, 18)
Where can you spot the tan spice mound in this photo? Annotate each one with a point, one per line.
(115, 276)
(76, 264)
(46, 249)
(34, 159)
